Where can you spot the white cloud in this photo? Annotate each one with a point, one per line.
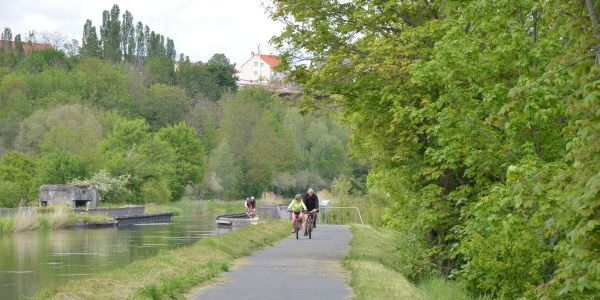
(199, 28)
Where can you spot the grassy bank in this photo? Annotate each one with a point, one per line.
(57, 217)
(53, 218)
(377, 269)
(172, 273)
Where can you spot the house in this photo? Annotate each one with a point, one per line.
(259, 69)
(28, 47)
(72, 195)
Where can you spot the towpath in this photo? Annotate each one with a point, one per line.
(291, 269)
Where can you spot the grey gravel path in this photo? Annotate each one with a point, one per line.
(291, 269)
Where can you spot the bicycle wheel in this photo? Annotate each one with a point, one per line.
(309, 227)
(297, 228)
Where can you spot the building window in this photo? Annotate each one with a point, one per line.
(256, 64)
(255, 72)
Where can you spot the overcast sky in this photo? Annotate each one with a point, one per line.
(199, 28)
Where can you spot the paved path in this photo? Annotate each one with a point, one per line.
(311, 266)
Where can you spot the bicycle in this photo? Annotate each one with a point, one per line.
(297, 224)
(310, 223)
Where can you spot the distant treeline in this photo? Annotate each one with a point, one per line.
(122, 39)
(147, 131)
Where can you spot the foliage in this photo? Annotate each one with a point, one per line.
(223, 173)
(155, 128)
(43, 59)
(110, 186)
(189, 156)
(72, 128)
(164, 105)
(16, 174)
(479, 119)
(58, 168)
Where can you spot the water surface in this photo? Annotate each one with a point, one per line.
(31, 261)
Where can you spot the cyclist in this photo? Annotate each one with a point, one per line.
(296, 207)
(251, 206)
(312, 205)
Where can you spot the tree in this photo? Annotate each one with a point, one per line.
(110, 33)
(189, 156)
(130, 150)
(223, 72)
(90, 45)
(54, 38)
(60, 168)
(128, 37)
(467, 125)
(16, 174)
(9, 128)
(104, 33)
(163, 105)
(72, 48)
(160, 69)
(70, 128)
(45, 59)
(170, 51)
(140, 43)
(261, 145)
(224, 171)
(7, 38)
(19, 46)
(198, 80)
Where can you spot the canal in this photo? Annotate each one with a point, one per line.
(31, 261)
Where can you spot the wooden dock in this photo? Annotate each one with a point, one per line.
(157, 218)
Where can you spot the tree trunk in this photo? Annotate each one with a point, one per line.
(591, 6)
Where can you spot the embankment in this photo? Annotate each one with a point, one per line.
(377, 267)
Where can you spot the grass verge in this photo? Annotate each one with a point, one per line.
(58, 217)
(172, 273)
(377, 270)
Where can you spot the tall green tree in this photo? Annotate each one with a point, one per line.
(128, 37)
(223, 71)
(170, 49)
(110, 33)
(90, 45)
(224, 174)
(104, 33)
(189, 156)
(7, 38)
(140, 40)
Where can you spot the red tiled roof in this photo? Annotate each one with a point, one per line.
(27, 47)
(271, 60)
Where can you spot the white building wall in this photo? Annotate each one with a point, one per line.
(254, 70)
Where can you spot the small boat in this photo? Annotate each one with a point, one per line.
(236, 219)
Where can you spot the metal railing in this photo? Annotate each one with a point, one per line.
(327, 215)
(340, 215)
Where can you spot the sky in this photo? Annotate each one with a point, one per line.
(199, 28)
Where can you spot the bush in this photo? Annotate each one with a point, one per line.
(11, 194)
(156, 191)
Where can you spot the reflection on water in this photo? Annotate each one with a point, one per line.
(31, 261)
